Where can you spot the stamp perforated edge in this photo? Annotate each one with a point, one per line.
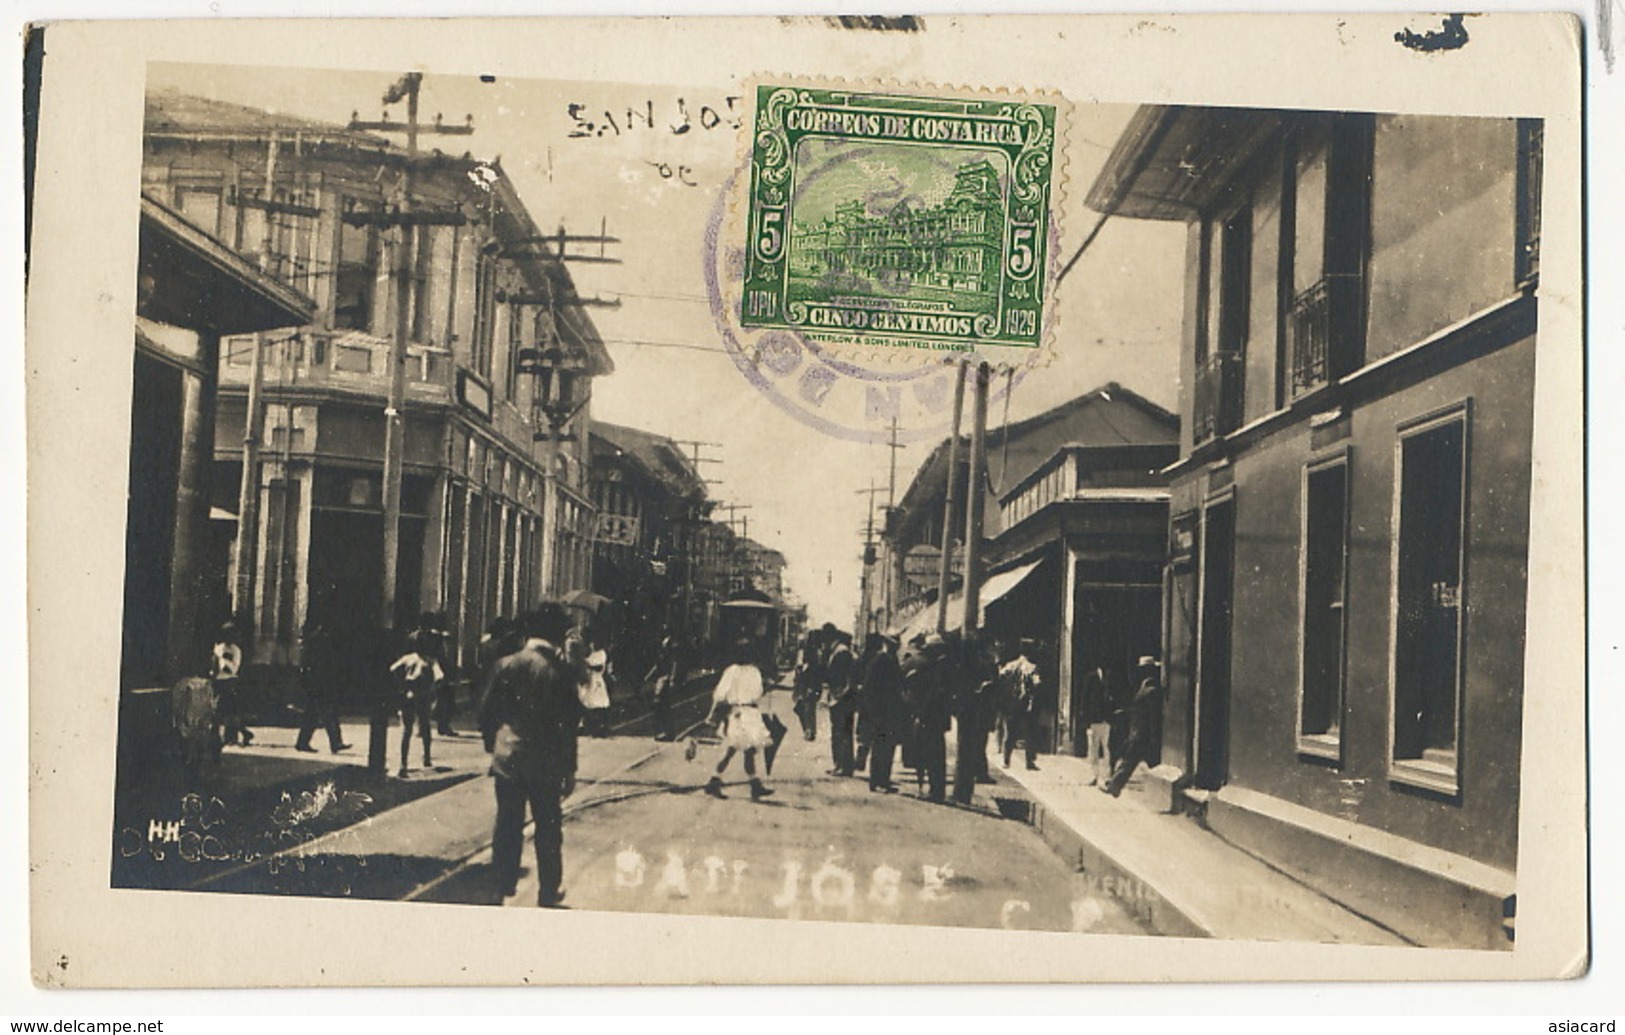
(889, 357)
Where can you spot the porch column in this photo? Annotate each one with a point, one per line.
(1064, 679)
(189, 565)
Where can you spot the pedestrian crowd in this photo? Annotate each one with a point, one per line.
(542, 682)
(898, 701)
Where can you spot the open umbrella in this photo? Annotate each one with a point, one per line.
(585, 599)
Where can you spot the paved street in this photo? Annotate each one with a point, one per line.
(645, 838)
(640, 836)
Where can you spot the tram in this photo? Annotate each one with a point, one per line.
(752, 615)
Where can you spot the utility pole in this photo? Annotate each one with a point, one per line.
(974, 501)
(248, 493)
(394, 415)
(404, 220)
(888, 562)
(736, 574)
(946, 560)
(865, 610)
(691, 524)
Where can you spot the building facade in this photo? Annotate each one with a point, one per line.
(646, 494)
(1082, 550)
(495, 505)
(1075, 507)
(1349, 515)
(912, 534)
(192, 292)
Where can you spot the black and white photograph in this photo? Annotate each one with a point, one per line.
(483, 552)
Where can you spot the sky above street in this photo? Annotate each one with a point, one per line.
(655, 165)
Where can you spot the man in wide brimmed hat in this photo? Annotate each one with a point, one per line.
(930, 707)
(1143, 712)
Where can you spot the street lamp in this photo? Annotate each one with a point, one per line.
(555, 400)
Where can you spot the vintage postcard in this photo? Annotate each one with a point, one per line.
(807, 500)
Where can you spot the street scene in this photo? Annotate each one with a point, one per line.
(530, 506)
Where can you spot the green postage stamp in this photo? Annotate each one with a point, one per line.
(905, 221)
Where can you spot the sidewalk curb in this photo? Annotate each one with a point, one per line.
(1146, 903)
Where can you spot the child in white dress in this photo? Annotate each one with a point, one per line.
(736, 709)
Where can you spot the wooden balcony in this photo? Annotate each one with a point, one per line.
(346, 360)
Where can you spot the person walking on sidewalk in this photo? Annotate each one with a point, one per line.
(416, 675)
(840, 677)
(736, 710)
(436, 646)
(883, 712)
(231, 705)
(318, 671)
(1095, 707)
(529, 715)
(1022, 684)
(1143, 712)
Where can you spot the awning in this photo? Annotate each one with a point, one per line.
(1005, 581)
(993, 589)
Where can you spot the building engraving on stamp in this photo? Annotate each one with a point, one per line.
(926, 225)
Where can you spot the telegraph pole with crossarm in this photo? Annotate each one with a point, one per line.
(403, 219)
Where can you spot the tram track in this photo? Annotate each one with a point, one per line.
(298, 854)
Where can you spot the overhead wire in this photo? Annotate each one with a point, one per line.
(643, 343)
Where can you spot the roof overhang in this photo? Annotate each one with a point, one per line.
(1173, 162)
(189, 279)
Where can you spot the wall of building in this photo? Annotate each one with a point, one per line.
(1442, 224)
(1190, 326)
(1481, 821)
(1262, 362)
(1181, 597)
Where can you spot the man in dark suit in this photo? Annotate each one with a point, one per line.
(841, 677)
(1143, 712)
(529, 716)
(320, 672)
(973, 682)
(931, 709)
(884, 714)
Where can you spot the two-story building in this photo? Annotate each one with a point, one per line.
(1350, 509)
(1075, 510)
(495, 511)
(193, 291)
(646, 492)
